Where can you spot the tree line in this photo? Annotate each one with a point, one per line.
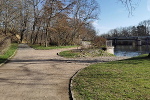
(51, 22)
(142, 29)
(54, 22)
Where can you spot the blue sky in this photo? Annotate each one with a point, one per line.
(113, 14)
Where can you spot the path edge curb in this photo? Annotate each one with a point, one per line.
(71, 93)
(9, 58)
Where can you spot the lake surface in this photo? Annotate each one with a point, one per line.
(131, 51)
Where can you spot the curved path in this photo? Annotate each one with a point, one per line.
(40, 74)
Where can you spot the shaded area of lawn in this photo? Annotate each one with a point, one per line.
(125, 79)
(9, 52)
(42, 47)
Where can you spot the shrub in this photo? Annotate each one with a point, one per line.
(99, 42)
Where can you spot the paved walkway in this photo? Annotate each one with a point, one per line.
(39, 74)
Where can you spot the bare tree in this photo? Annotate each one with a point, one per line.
(44, 16)
(84, 12)
(8, 14)
(52, 9)
(129, 5)
(35, 17)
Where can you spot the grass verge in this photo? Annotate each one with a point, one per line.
(42, 47)
(8, 53)
(118, 80)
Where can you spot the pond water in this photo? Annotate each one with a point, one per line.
(131, 51)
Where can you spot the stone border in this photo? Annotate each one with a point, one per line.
(8, 58)
(71, 93)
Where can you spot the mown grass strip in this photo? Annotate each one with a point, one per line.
(84, 53)
(9, 52)
(69, 54)
(42, 47)
(118, 80)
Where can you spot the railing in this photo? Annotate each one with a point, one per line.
(129, 38)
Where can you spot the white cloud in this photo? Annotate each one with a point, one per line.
(100, 29)
(148, 5)
(97, 26)
(103, 27)
(95, 23)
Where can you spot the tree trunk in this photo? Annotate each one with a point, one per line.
(46, 39)
(149, 55)
(36, 38)
(22, 33)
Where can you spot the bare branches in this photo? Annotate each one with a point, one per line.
(129, 5)
(58, 22)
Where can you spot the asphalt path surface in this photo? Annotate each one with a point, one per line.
(40, 74)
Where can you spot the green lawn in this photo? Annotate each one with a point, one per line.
(117, 80)
(9, 52)
(69, 54)
(42, 47)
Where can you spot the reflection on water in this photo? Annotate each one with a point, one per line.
(131, 51)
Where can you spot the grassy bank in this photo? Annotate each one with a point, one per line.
(42, 47)
(118, 80)
(84, 53)
(8, 53)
